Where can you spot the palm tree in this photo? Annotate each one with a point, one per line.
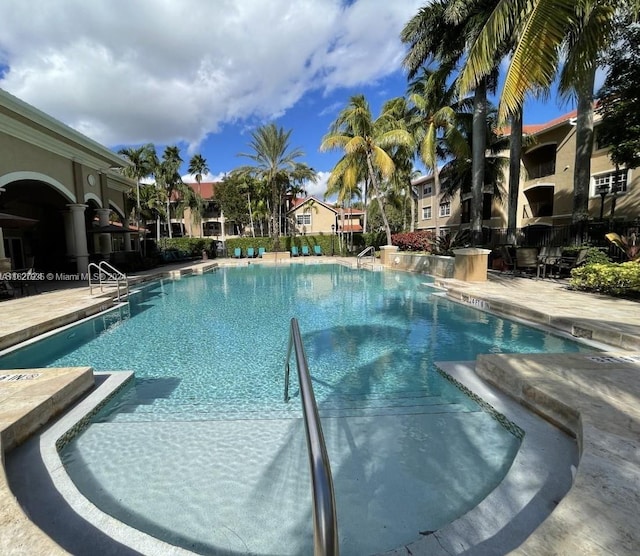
(197, 167)
(142, 159)
(275, 164)
(440, 34)
(457, 174)
(435, 119)
(366, 141)
(546, 32)
(168, 178)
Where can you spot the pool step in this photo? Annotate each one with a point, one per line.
(162, 410)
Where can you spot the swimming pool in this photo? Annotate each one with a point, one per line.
(203, 453)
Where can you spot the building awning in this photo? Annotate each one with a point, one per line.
(13, 221)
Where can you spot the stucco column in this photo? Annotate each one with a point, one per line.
(77, 236)
(104, 239)
(223, 224)
(386, 254)
(5, 263)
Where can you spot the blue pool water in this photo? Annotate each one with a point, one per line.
(203, 452)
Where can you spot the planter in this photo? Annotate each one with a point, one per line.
(471, 264)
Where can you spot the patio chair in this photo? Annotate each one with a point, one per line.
(251, 252)
(527, 259)
(547, 258)
(237, 253)
(566, 263)
(294, 251)
(317, 250)
(305, 250)
(261, 251)
(508, 260)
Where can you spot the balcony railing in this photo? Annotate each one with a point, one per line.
(541, 169)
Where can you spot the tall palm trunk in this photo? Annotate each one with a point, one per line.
(275, 217)
(436, 195)
(376, 191)
(253, 231)
(479, 145)
(365, 198)
(584, 146)
(515, 154)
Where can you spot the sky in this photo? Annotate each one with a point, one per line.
(204, 74)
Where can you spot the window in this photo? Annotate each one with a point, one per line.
(303, 219)
(608, 181)
(427, 189)
(426, 213)
(445, 209)
(444, 232)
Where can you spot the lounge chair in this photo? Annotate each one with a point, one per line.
(237, 253)
(261, 251)
(305, 250)
(251, 252)
(294, 251)
(317, 250)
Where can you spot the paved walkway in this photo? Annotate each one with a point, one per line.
(596, 400)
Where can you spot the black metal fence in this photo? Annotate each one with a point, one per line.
(591, 233)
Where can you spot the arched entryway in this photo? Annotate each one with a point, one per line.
(40, 241)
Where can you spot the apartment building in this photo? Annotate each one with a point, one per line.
(546, 186)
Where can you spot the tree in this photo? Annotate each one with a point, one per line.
(435, 121)
(441, 33)
(550, 34)
(142, 159)
(197, 167)
(275, 164)
(457, 174)
(169, 181)
(619, 100)
(230, 195)
(366, 142)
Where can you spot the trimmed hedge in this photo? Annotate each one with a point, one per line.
(608, 278)
(191, 245)
(286, 242)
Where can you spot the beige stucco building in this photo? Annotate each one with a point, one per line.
(56, 185)
(312, 216)
(546, 186)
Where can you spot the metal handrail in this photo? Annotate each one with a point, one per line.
(112, 274)
(362, 253)
(325, 523)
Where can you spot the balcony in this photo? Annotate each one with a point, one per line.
(540, 162)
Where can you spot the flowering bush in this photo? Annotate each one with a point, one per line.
(414, 241)
(609, 278)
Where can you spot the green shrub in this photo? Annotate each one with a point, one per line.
(191, 245)
(608, 278)
(286, 242)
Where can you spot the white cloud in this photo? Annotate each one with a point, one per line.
(319, 188)
(209, 177)
(163, 71)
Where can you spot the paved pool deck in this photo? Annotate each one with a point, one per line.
(594, 397)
